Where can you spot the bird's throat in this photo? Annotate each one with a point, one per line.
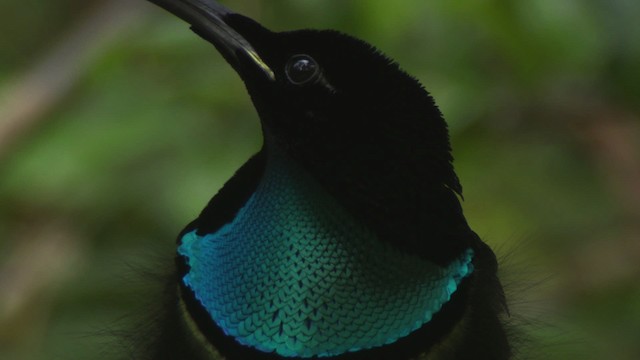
(296, 274)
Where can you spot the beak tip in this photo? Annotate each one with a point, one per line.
(207, 19)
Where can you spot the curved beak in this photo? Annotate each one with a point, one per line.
(207, 19)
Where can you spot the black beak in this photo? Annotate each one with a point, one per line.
(207, 19)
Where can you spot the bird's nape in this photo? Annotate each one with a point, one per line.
(343, 237)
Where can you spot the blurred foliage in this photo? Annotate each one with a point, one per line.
(542, 98)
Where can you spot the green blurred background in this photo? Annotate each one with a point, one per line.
(117, 124)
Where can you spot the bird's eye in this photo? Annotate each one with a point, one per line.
(302, 69)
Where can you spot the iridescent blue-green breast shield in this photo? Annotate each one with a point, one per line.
(295, 274)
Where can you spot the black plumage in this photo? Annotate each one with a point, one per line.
(373, 139)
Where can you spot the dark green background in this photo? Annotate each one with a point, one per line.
(117, 124)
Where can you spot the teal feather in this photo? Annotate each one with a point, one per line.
(297, 275)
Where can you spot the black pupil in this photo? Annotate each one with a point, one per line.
(302, 69)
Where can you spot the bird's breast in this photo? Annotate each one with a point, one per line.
(297, 275)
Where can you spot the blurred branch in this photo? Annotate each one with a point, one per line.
(611, 137)
(42, 259)
(45, 254)
(25, 101)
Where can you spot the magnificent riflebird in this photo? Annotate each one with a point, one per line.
(343, 237)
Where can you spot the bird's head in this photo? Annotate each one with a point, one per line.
(324, 92)
(345, 113)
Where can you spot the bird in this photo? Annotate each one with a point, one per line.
(343, 237)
